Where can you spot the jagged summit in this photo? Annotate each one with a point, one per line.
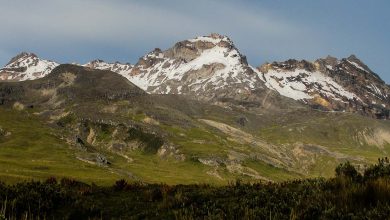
(330, 84)
(357, 63)
(96, 61)
(21, 55)
(206, 67)
(26, 66)
(214, 39)
(328, 62)
(354, 58)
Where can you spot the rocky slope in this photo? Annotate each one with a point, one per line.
(330, 84)
(26, 66)
(209, 67)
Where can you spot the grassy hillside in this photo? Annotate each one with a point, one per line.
(31, 149)
(34, 150)
(62, 126)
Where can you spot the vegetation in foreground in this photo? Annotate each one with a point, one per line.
(349, 195)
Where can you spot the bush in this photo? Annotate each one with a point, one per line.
(120, 184)
(382, 169)
(66, 120)
(348, 171)
(151, 142)
(348, 196)
(51, 180)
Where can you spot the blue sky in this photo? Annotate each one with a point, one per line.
(265, 31)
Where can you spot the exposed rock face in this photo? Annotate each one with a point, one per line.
(330, 84)
(26, 66)
(4, 133)
(207, 68)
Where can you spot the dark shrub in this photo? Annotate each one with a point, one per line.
(120, 184)
(51, 180)
(382, 169)
(347, 170)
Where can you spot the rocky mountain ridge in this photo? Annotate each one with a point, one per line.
(330, 84)
(211, 68)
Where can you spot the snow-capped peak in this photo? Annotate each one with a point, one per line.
(328, 83)
(26, 66)
(203, 66)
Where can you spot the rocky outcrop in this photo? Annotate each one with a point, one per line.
(4, 133)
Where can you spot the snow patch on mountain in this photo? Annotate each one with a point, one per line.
(357, 66)
(301, 84)
(214, 40)
(373, 89)
(225, 64)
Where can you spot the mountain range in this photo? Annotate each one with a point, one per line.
(196, 112)
(212, 68)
